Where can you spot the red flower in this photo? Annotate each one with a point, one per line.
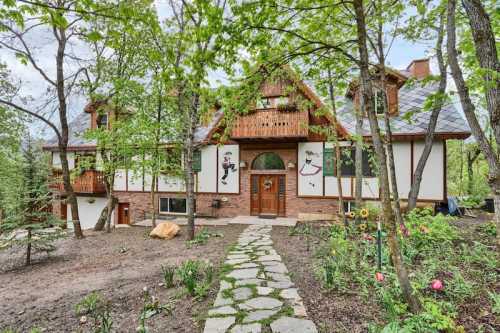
(367, 237)
(379, 277)
(437, 285)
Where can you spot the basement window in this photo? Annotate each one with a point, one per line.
(173, 205)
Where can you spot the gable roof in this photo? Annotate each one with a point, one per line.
(450, 124)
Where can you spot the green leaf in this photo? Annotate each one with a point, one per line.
(94, 36)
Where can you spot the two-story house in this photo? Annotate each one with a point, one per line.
(274, 163)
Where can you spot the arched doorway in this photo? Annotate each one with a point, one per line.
(268, 189)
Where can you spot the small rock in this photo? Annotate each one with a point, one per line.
(83, 319)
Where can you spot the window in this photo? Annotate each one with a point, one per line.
(268, 161)
(378, 99)
(173, 205)
(348, 158)
(349, 206)
(102, 121)
(197, 161)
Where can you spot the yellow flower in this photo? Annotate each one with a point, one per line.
(351, 215)
(364, 213)
(362, 226)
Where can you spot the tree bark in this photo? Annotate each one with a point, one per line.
(387, 213)
(387, 123)
(60, 34)
(486, 53)
(469, 111)
(28, 248)
(431, 127)
(154, 178)
(358, 159)
(338, 161)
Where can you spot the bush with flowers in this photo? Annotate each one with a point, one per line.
(445, 270)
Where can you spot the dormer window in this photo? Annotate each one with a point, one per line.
(102, 121)
(378, 99)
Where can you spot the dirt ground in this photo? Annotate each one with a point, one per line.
(118, 265)
(332, 312)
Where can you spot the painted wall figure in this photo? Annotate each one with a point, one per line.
(227, 165)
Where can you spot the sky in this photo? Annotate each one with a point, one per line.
(400, 56)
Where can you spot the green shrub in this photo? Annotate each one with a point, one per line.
(98, 309)
(197, 277)
(168, 273)
(488, 228)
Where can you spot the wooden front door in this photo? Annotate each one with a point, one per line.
(267, 195)
(123, 213)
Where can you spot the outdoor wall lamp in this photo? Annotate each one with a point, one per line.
(243, 164)
(290, 165)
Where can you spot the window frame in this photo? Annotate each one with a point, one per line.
(99, 120)
(169, 212)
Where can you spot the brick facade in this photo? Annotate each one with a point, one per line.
(239, 204)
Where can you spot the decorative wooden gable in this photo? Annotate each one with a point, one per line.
(286, 110)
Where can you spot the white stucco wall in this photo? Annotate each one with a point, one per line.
(89, 209)
(207, 180)
(120, 181)
(310, 175)
(230, 183)
(402, 164)
(432, 185)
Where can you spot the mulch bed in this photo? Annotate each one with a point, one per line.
(331, 311)
(118, 265)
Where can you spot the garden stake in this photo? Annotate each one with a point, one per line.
(379, 246)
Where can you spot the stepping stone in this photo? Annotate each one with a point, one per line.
(264, 291)
(251, 328)
(265, 248)
(270, 257)
(293, 325)
(289, 294)
(299, 310)
(261, 303)
(280, 284)
(236, 261)
(247, 265)
(220, 300)
(259, 315)
(225, 285)
(270, 263)
(218, 325)
(238, 256)
(257, 282)
(279, 268)
(246, 273)
(224, 310)
(278, 277)
(242, 293)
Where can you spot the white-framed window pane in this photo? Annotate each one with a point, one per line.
(164, 205)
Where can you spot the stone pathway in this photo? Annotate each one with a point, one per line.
(256, 293)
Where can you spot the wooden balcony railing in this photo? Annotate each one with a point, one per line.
(271, 123)
(90, 181)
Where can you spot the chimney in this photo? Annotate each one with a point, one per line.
(419, 68)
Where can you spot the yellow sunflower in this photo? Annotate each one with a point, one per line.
(351, 215)
(364, 213)
(362, 226)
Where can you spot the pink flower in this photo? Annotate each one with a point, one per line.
(437, 285)
(367, 237)
(379, 277)
(404, 230)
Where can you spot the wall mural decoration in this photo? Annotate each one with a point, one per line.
(227, 164)
(310, 168)
(228, 169)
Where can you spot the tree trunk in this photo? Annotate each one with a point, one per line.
(470, 173)
(101, 221)
(431, 127)
(60, 33)
(110, 206)
(358, 159)
(486, 53)
(469, 111)
(338, 161)
(28, 248)
(388, 217)
(153, 201)
(192, 122)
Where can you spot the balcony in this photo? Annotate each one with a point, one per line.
(89, 182)
(271, 123)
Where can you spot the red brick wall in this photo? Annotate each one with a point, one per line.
(239, 204)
